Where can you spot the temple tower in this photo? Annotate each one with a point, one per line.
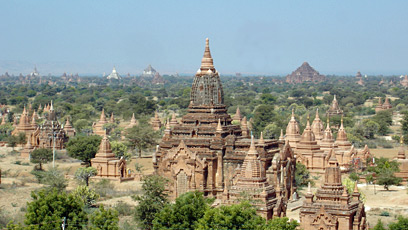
(333, 208)
(293, 131)
(318, 127)
(334, 108)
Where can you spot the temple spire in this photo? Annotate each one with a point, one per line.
(261, 139)
(103, 117)
(207, 61)
(52, 106)
(219, 127)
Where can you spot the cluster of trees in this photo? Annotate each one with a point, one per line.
(384, 170)
(401, 224)
(193, 211)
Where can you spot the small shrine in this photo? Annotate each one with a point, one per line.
(107, 165)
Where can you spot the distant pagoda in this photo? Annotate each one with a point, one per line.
(114, 75)
(149, 71)
(305, 73)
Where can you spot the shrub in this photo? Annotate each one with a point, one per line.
(124, 209)
(385, 213)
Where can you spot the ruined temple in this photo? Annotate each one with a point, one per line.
(332, 208)
(156, 123)
(334, 108)
(383, 106)
(206, 152)
(305, 73)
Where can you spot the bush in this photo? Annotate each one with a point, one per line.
(385, 213)
(124, 209)
(104, 188)
(87, 195)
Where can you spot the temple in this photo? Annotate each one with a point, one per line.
(333, 208)
(381, 107)
(315, 146)
(98, 127)
(49, 134)
(305, 73)
(149, 72)
(334, 108)
(114, 75)
(206, 152)
(107, 165)
(403, 162)
(156, 123)
(404, 82)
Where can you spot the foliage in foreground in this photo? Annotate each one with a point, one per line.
(41, 156)
(104, 219)
(152, 201)
(83, 174)
(184, 214)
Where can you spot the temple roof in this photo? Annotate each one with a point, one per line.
(304, 73)
(105, 150)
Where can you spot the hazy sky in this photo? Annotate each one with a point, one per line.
(261, 37)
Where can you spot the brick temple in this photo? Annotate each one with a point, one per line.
(305, 73)
(332, 207)
(206, 152)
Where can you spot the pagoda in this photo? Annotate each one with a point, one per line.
(292, 131)
(106, 163)
(253, 182)
(69, 129)
(403, 162)
(333, 208)
(97, 127)
(404, 82)
(305, 73)
(158, 79)
(114, 75)
(156, 123)
(133, 122)
(237, 117)
(24, 125)
(204, 150)
(318, 127)
(334, 108)
(308, 152)
(381, 107)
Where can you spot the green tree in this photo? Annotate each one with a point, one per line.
(142, 136)
(83, 174)
(48, 208)
(264, 115)
(84, 148)
(104, 219)
(55, 179)
(237, 216)
(87, 195)
(120, 150)
(12, 141)
(370, 128)
(152, 201)
(184, 214)
(404, 124)
(384, 120)
(384, 170)
(21, 138)
(41, 156)
(302, 175)
(379, 225)
(401, 224)
(281, 224)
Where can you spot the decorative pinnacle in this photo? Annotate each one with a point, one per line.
(341, 122)
(252, 149)
(219, 128)
(51, 107)
(309, 190)
(261, 139)
(317, 113)
(402, 139)
(308, 122)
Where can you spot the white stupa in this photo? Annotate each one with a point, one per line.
(114, 75)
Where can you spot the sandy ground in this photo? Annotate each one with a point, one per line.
(17, 182)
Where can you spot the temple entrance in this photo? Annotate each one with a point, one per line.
(182, 183)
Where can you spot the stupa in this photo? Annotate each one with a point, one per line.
(293, 131)
(114, 75)
(253, 183)
(97, 127)
(107, 165)
(156, 123)
(308, 152)
(334, 108)
(69, 129)
(404, 82)
(318, 127)
(237, 116)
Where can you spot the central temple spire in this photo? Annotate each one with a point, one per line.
(207, 89)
